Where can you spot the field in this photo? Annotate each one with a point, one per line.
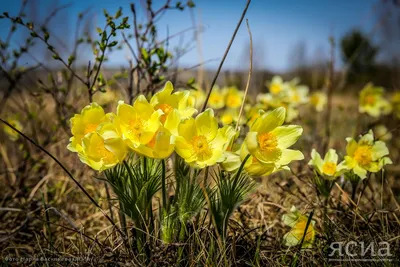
(195, 167)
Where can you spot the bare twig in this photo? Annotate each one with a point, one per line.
(226, 53)
(248, 77)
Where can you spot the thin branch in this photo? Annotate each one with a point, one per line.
(226, 53)
(248, 77)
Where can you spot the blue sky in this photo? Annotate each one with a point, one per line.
(277, 26)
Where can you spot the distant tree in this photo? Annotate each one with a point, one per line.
(358, 53)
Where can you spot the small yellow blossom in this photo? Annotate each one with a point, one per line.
(382, 133)
(318, 100)
(277, 86)
(298, 223)
(217, 98)
(231, 116)
(160, 147)
(267, 143)
(328, 167)
(138, 123)
(268, 140)
(103, 148)
(298, 95)
(366, 155)
(200, 142)
(166, 101)
(13, 135)
(372, 101)
(84, 123)
(233, 97)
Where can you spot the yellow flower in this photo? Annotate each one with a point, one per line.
(138, 123)
(233, 97)
(318, 100)
(327, 167)
(166, 101)
(104, 148)
(298, 223)
(277, 86)
(268, 140)
(200, 142)
(13, 135)
(382, 133)
(366, 155)
(84, 123)
(231, 116)
(160, 147)
(217, 96)
(372, 101)
(252, 166)
(298, 95)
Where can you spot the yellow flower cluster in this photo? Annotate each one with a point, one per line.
(289, 94)
(226, 101)
(366, 155)
(154, 129)
(165, 124)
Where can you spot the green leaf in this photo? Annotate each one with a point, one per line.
(114, 43)
(119, 13)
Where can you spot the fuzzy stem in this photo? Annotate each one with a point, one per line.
(163, 184)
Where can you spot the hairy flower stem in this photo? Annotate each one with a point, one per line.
(354, 190)
(326, 203)
(163, 184)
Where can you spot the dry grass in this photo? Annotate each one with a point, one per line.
(44, 214)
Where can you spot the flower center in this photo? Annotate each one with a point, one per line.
(275, 88)
(267, 141)
(329, 168)
(135, 128)
(296, 98)
(370, 100)
(106, 155)
(215, 98)
(201, 147)
(166, 109)
(227, 119)
(363, 155)
(233, 101)
(90, 128)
